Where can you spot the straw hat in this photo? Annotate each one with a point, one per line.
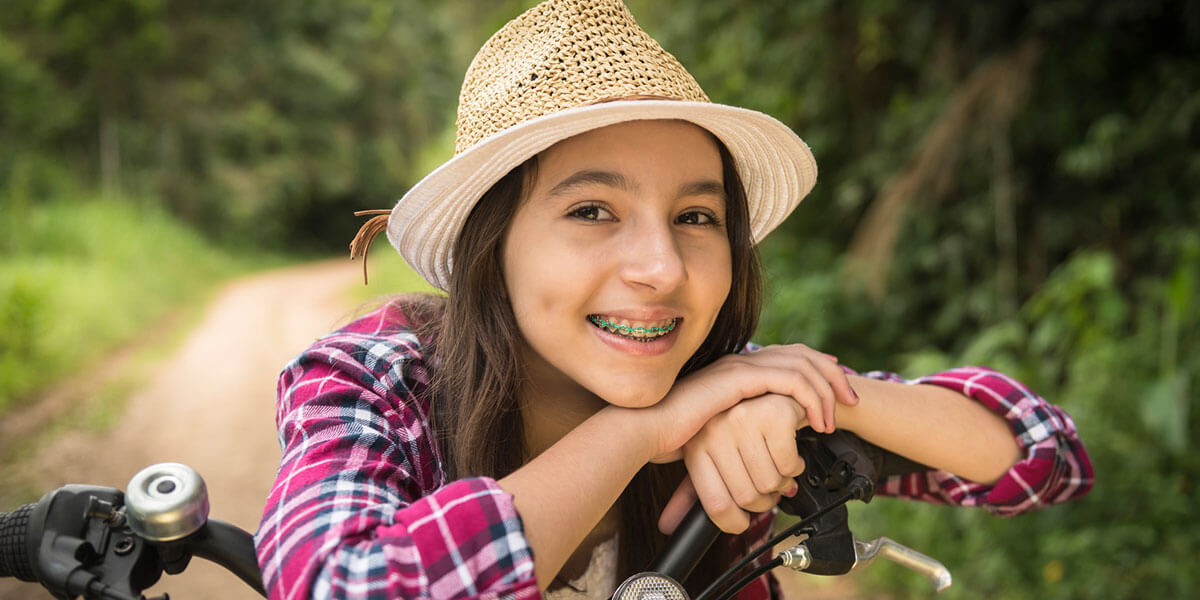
(562, 68)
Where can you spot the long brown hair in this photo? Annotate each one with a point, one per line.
(477, 371)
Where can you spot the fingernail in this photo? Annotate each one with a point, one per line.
(830, 356)
(791, 491)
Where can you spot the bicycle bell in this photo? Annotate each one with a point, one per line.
(166, 502)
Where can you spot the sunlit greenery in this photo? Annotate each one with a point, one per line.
(1005, 183)
(79, 276)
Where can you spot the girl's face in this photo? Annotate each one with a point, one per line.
(617, 261)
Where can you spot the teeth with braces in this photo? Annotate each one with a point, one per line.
(642, 334)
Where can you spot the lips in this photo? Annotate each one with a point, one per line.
(637, 330)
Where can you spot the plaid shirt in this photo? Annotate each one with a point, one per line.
(361, 506)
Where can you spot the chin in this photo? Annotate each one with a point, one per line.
(633, 396)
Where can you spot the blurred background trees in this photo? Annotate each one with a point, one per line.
(1008, 183)
(244, 119)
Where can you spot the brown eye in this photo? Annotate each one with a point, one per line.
(696, 217)
(591, 212)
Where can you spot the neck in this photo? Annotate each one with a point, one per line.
(551, 406)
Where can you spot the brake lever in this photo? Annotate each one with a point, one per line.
(837, 460)
(931, 568)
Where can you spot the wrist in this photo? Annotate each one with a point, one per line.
(849, 417)
(634, 430)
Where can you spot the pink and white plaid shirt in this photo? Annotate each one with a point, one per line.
(361, 507)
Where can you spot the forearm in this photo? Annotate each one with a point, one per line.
(565, 491)
(932, 425)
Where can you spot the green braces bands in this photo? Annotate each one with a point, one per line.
(628, 329)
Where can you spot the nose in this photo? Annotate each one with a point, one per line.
(652, 258)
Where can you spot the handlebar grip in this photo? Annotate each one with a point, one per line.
(695, 534)
(14, 555)
(232, 548)
(889, 463)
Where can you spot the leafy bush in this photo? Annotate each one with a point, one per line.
(76, 278)
(1006, 183)
(1125, 367)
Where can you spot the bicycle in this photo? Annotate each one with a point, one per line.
(100, 542)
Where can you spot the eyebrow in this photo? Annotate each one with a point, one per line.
(619, 181)
(707, 187)
(586, 178)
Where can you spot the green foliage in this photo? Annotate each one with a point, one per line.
(1048, 227)
(271, 122)
(1055, 239)
(1124, 368)
(77, 278)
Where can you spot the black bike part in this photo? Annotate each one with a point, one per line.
(837, 467)
(80, 546)
(228, 546)
(745, 581)
(14, 556)
(794, 529)
(831, 545)
(886, 462)
(838, 463)
(694, 536)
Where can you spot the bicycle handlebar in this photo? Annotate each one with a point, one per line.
(232, 548)
(100, 542)
(14, 557)
(838, 466)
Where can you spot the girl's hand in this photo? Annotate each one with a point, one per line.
(744, 457)
(741, 461)
(811, 379)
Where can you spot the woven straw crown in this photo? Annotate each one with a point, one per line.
(562, 54)
(562, 68)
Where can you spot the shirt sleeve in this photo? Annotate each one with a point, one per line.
(358, 508)
(1054, 466)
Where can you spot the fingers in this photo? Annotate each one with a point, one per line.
(714, 495)
(781, 446)
(764, 475)
(759, 440)
(735, 473)
(810, 392)
(677, 507)
(786, 381)
(836, 377)
(813, 379)
(823, 390)
(744, 456)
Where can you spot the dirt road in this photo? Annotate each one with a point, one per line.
(210, 405)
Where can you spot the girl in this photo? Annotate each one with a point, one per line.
(529, 432)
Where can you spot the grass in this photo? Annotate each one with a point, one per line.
(78, 278)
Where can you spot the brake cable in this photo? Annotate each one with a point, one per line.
(715, 587)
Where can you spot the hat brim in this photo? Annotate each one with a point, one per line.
(775, 165)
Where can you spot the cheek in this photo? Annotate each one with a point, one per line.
(717, 266)
(540, 278)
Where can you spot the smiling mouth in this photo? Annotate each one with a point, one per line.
(642, 331)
